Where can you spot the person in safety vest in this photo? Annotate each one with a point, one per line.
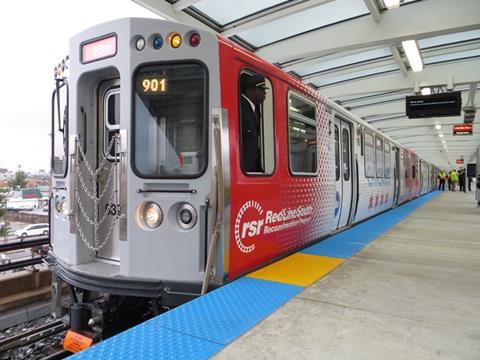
(453, 179)
(442, 176)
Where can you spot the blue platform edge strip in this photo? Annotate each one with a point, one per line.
(347, 243)
(202, 327)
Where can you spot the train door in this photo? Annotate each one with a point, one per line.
(108, 120)
(396, 176)
(343, 171)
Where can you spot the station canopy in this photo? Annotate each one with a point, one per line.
(355, 52)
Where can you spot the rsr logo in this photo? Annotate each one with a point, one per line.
(248, 228)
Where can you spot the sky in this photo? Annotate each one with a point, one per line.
(34, 37)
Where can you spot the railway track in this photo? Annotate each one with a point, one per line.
(32, 336)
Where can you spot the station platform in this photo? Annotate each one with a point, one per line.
(402, 285)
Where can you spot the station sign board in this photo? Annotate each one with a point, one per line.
(462, 129)
(434, 105)
(459, 161)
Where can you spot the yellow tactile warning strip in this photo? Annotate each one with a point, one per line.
(298, 269)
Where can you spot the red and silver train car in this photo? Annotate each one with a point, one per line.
(154, 195)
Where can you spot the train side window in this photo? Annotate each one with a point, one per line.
(405, 163)
(60, 129)
(388, 159)
(112, 120)
(346, 154)
(257, 136)
(369, 154)
(302, 135)
(379, 156)
(337, 153)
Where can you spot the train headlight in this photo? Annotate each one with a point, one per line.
(186, 216)
(175, 40)
(151, 215)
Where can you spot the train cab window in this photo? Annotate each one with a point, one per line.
(388, 159)
(112, 121)
(170, 120)
(257, 140)
(337, 154)
(60, 129)
(369, 154)
(302, 135)
(379, 156)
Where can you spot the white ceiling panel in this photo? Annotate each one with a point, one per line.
(350, 50)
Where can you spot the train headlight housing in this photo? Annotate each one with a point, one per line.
(151, 215)
(186, 216)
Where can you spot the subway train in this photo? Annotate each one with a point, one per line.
(155, 200)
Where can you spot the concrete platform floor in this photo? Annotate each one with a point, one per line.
(413, 293)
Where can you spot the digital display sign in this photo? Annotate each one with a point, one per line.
(425, 106)
(152, 85)
(99, 49)
(462, 129)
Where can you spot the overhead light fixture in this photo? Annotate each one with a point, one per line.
(413, 55)
(391, 4)
(441, 135)
(444, 142)
(426, 91)
(438, 126)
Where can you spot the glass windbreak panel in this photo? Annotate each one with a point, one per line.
(302, 136)
(170, 130)
(448, 39)
(227, 11)
(388, 160)
(369, 155)
(332, 79)
(302, 21)
(337, 154)
(60, 130)
(450, 57)
(327, 62)
(346, 154)
(379, 156)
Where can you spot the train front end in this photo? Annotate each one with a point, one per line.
(134, 164)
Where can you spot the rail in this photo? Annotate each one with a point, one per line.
(16, 245)
(32, 336)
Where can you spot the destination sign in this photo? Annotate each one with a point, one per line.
(462, 129)
(99, 49)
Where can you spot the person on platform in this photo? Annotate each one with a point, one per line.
(461, 179)
(442, 176)
(454, 179)
(253, 88)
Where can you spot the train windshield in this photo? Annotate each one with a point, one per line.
(169, 125)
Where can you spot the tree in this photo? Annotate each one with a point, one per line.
(4, 227)
(19, 180)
